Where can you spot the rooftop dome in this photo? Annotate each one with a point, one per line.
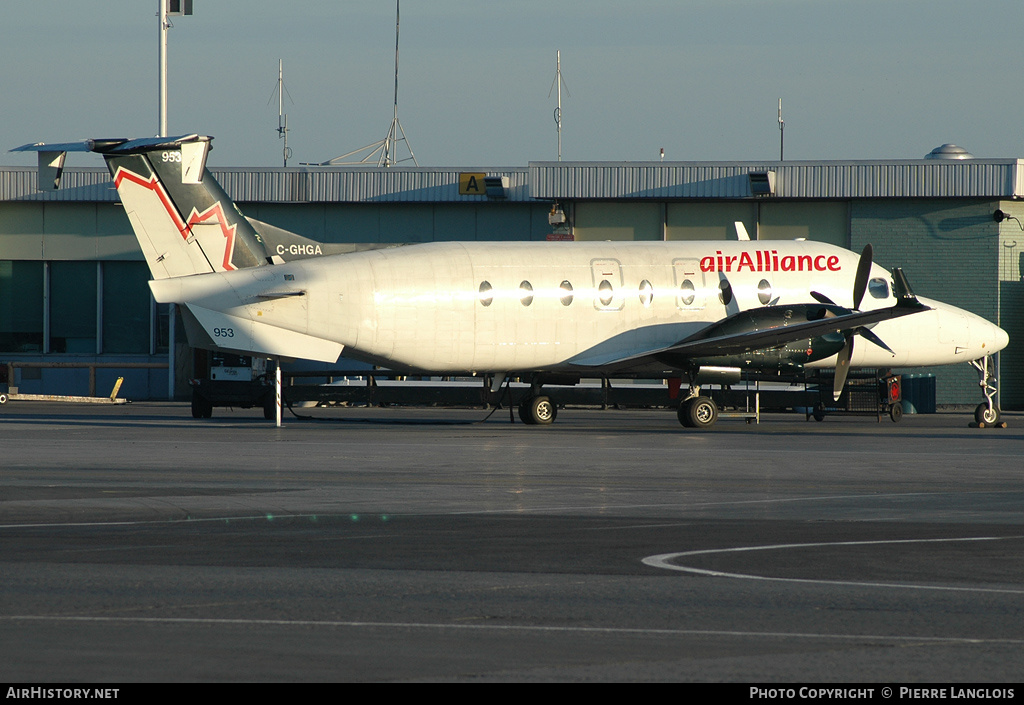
(949, 151)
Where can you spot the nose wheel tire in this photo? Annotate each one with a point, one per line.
(538, 411)
(986, 415)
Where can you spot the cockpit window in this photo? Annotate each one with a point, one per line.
(878, 288)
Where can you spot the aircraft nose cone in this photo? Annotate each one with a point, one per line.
(1002, 339)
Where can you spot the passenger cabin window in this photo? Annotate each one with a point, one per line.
(764, 292)
(605, 292)
(725, 292)
(525, 293)
(566, 292)
(646, 293)
(878, 288)
(687, 293)
(486, 295)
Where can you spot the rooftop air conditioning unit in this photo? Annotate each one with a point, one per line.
(496, 186)
(762, 183)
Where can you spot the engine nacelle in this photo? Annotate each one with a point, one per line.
(791, 355)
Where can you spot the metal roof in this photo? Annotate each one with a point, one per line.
(971, 178)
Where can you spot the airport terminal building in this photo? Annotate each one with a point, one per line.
(76, 313)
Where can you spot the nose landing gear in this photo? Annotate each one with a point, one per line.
(987, 413)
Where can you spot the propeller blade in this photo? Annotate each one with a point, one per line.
(821, 298)
(842, 368)
(875, 339)
(860, 282)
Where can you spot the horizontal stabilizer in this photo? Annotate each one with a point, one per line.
(184, 221)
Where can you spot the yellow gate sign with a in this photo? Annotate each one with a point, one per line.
(472, 184)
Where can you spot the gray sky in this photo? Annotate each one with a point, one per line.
(859, 79)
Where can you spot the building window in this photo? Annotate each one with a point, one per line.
(73, 307)
(126, 307)
(21, 307)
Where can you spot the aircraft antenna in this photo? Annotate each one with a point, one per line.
(558, 111)
(386, 150)
(282, 117)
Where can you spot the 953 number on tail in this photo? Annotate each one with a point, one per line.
(223, 332)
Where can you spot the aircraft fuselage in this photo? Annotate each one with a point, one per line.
(500, 307)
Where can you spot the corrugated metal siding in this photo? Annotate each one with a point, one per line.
(834, 180)
(360, 185)
(978, 178)
(648, 181)
(93, 184)
(247, 185)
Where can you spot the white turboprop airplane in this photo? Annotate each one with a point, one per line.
(551, 311)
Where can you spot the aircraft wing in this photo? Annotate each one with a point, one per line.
(727, 337)
(780, 335)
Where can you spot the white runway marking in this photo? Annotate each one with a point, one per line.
(667, 561)
(619, 631)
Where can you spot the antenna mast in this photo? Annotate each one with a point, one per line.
(161, 130)
(387, 148)
(782, 134)
(558, 111)
(282, 118)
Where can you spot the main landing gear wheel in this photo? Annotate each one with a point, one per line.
(538, 411)
(986, 415)
(201, 408)
(698, 412)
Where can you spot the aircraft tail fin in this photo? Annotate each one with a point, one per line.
(184, 221)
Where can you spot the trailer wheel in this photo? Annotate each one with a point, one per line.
(896, 412)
